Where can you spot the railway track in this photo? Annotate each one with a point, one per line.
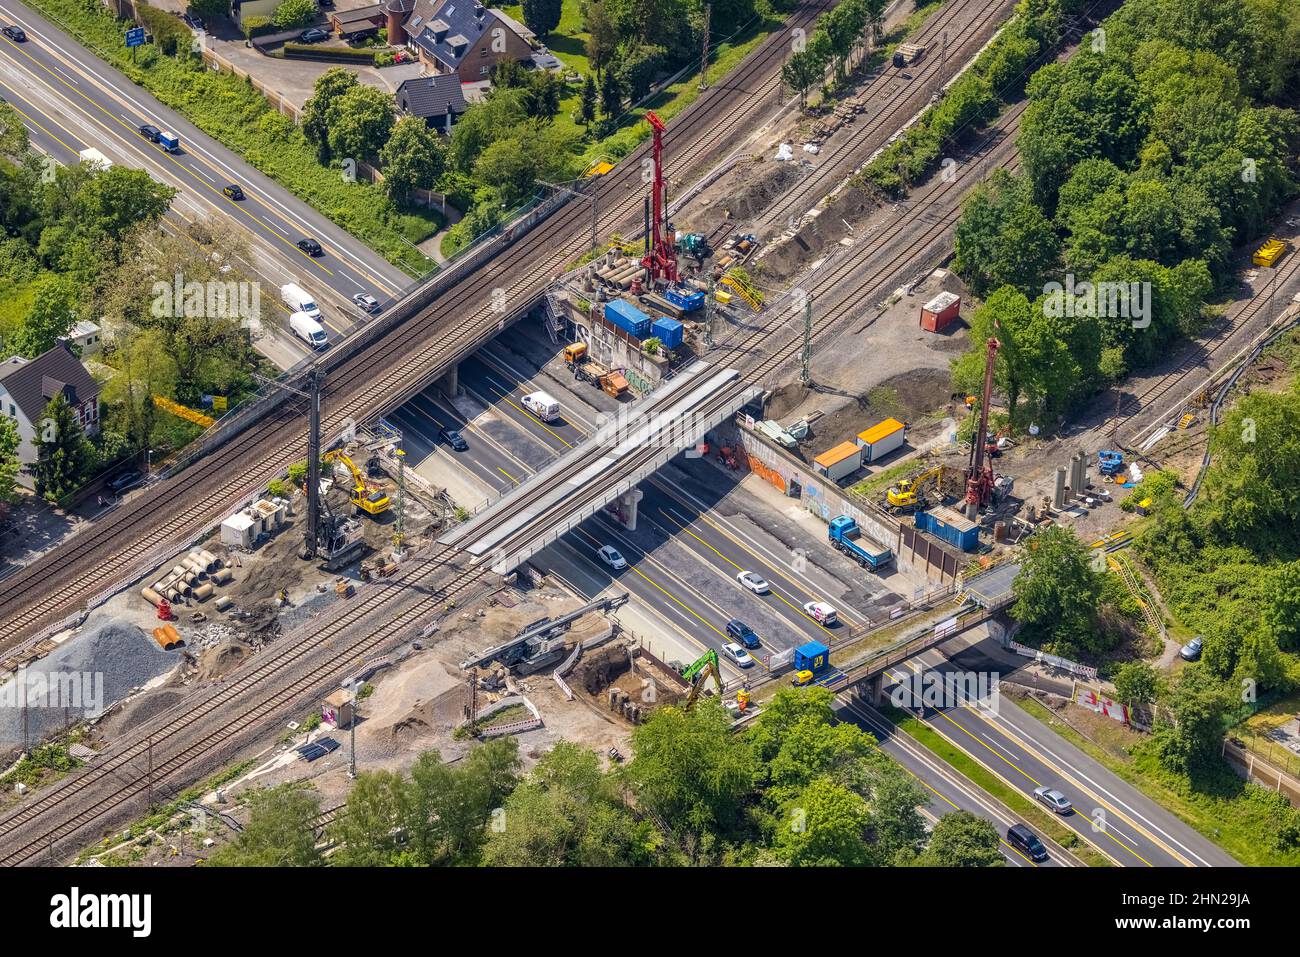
(467, 314)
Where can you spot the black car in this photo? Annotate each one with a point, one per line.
(122, 482)
(314, 35)
(454, 439)
(233, 192)
(14, 33)
(1023, 839)
(740, 631)
(310, 247)
(150, 132)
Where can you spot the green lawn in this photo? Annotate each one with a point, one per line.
(15, 302)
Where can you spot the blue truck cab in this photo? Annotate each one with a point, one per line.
(845, 536)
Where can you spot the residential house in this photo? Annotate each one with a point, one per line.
(86, 336)
(28, 385)
(460, 37)
(437, 99)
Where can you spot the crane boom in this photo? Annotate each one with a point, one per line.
(660, 260)
(979, 476)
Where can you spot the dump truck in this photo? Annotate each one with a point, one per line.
(845, 536)
(584, 369)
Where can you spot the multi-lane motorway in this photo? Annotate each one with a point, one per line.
(71, 101)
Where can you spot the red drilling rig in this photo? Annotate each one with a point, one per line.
(660, 260)
(979, 476)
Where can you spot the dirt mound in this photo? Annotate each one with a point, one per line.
(143, 709)
(221, 660)
(819, 236)
(749, 190)
(602, 668)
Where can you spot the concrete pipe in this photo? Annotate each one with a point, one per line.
(213, 562)
(151, 596)
(204, 591)
(224, 602)
(222, 576)
(194, 565)
(178, 571)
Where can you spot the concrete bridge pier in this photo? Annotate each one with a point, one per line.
(871, 691)
(450, 382)
(624, 508)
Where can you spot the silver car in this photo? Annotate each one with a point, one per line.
(753, 582)
(1053, 800)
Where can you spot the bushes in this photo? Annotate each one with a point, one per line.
(292, 14)
(308, 51)
(257, 27)
(171, 35)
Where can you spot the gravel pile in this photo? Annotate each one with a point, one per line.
(85, 674)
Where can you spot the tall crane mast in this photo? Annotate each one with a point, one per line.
(660, 260)
(979, 475)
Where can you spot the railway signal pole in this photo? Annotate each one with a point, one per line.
(312, 533)
(805, 358)
(704, 48)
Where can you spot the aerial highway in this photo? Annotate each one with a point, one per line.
(71, 100)
(388, 363)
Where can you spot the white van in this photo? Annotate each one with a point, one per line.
(542, 405)
(308, 330)
(296, 298)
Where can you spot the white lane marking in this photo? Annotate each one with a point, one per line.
(993, 741)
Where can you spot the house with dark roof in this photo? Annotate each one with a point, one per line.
(460, 37)
(436, 99)
(28, 385)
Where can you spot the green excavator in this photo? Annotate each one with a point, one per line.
(698, 673)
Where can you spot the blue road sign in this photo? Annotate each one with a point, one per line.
(135, 37)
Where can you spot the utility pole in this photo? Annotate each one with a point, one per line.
(399, 536)
(704, 48)
(805, 361)
(312, 533)
(352, 733)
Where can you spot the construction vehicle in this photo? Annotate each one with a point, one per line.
(910, 494)
(698, 673)
(696, 245)
(979, 474)
(660, 259)
(742, 700)
(845, 535)
(585, 369)
(801, 678)
(366, 499)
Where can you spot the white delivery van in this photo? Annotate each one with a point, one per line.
(296, 298)
(308, 330)
(93, 157)
(542, 405)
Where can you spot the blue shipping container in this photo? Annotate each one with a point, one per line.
(683, 300)
(628, 318)
(813, 656)
(669, 332)
(953, 527)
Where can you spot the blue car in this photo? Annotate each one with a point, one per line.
(742, 633)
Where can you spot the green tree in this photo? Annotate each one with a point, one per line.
(801, 71)
(13, 134)
(9, 463)
(413, 158)
(330, 87)
(279, 832)
(367, 830)
(611, 96)
(209, 8)
(1282, 612)
(1057, 592)
(602, 40)
(542, 16)
(447, 807)
(1003, 238)
(52, 313)
(690, 769)
(569, 813)
(961, 839)
(1191, 740)
(359, 122)
(1137, 684)
(292, 14)
(587, 102)
(63, 454)
(638, 68)
(825, 825)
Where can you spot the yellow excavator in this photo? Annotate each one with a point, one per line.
(371, 501)
(909, 495)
